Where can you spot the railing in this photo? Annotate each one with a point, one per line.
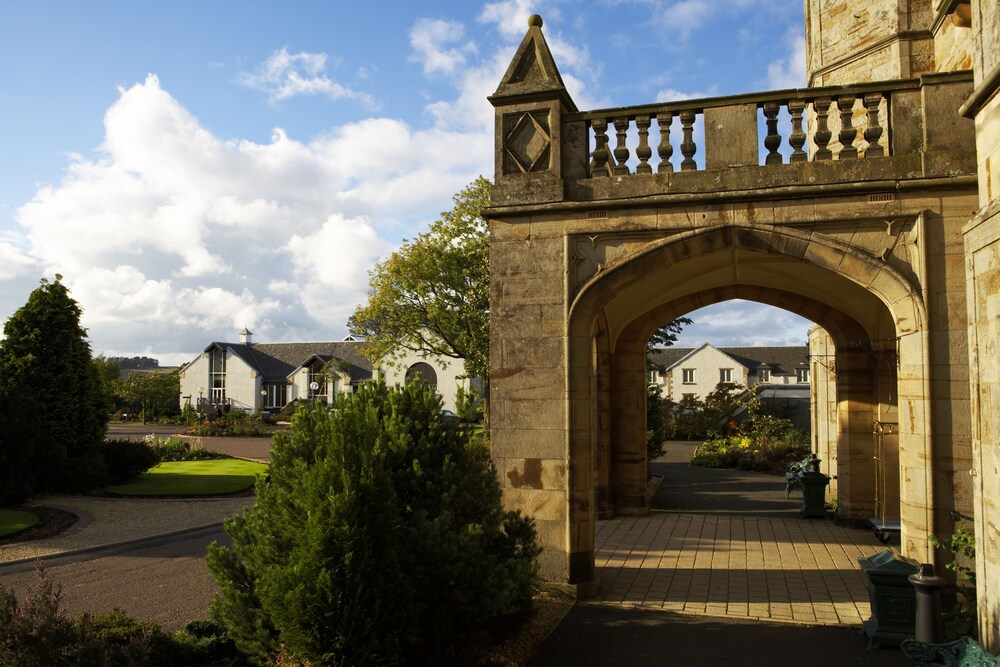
(791, 126)
(210, 406)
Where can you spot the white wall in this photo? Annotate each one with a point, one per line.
(242, 384)
(705, 362)
(449, 373)
(193, 377)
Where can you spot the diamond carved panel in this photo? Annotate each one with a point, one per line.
(527, 142)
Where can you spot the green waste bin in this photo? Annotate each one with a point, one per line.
(892, 598)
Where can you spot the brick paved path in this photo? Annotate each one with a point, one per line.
(736, 566)
(729, 544)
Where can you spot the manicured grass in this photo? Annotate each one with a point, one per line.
(13, 522)
(193, 478)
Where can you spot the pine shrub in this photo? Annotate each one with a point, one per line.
(127, 459)
(377, 537)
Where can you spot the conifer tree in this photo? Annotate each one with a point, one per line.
(54, 405)
(377, 538)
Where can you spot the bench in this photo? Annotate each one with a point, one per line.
(964, 652)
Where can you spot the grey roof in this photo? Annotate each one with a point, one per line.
(275, 361)
(780, 360)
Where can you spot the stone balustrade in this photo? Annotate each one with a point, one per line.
(548, 151)
(860, 113)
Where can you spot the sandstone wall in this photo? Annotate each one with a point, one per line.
(982, 246)
(849, 41)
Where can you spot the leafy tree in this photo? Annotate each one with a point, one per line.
(378, 537)
(55, 406)
(108, 368)
(148, 393)
(433, 294)
(666, 335)
(135, 362)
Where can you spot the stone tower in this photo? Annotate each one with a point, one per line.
(854, 41)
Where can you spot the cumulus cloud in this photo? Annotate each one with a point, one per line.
(744, 323)
(285, 75)
(683, 17)
(171, 237)
(511, 16)
(674, 95)
(790, 71)
(438, 45)
(14, 261)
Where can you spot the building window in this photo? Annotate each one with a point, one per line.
(316, 375)
(764, 375)
(277, 395)
(802, 375)
(687, 398)
(423, 373)
(687, 376)
(725, 375)
(217, 375)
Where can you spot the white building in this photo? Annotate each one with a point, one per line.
(252, 376)
(681, 372)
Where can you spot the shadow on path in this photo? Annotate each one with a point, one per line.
(606, 635)
(691, 489)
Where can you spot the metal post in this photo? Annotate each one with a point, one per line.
(929, 626)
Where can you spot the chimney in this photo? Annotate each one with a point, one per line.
(245, 336)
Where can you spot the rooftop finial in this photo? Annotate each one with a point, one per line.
(534, 21)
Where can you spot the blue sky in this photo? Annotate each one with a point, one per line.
(191, 168)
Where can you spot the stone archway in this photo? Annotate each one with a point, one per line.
(588, 214)
(621, 305)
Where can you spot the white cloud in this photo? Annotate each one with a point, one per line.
(674, 95)
(511, 16)
(14, 261)
(789, 72)
(744, 323)
(684, 17)
(438, 45)
(285, 75)
(170, 237)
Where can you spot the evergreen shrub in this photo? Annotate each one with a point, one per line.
(127, 459)
(378, 537)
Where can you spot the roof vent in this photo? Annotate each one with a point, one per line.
(245, 336)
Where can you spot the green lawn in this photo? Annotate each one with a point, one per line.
(13, 522)
(193, 478)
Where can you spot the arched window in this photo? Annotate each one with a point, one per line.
(423, 373)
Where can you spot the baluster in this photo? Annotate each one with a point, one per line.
(599, 166)
(773, 139)
(823, 134)
(688, 147)
(664, 150)
(848, 133)
(873, 132)
(797, 138)
(621, 150)
(643, 151)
